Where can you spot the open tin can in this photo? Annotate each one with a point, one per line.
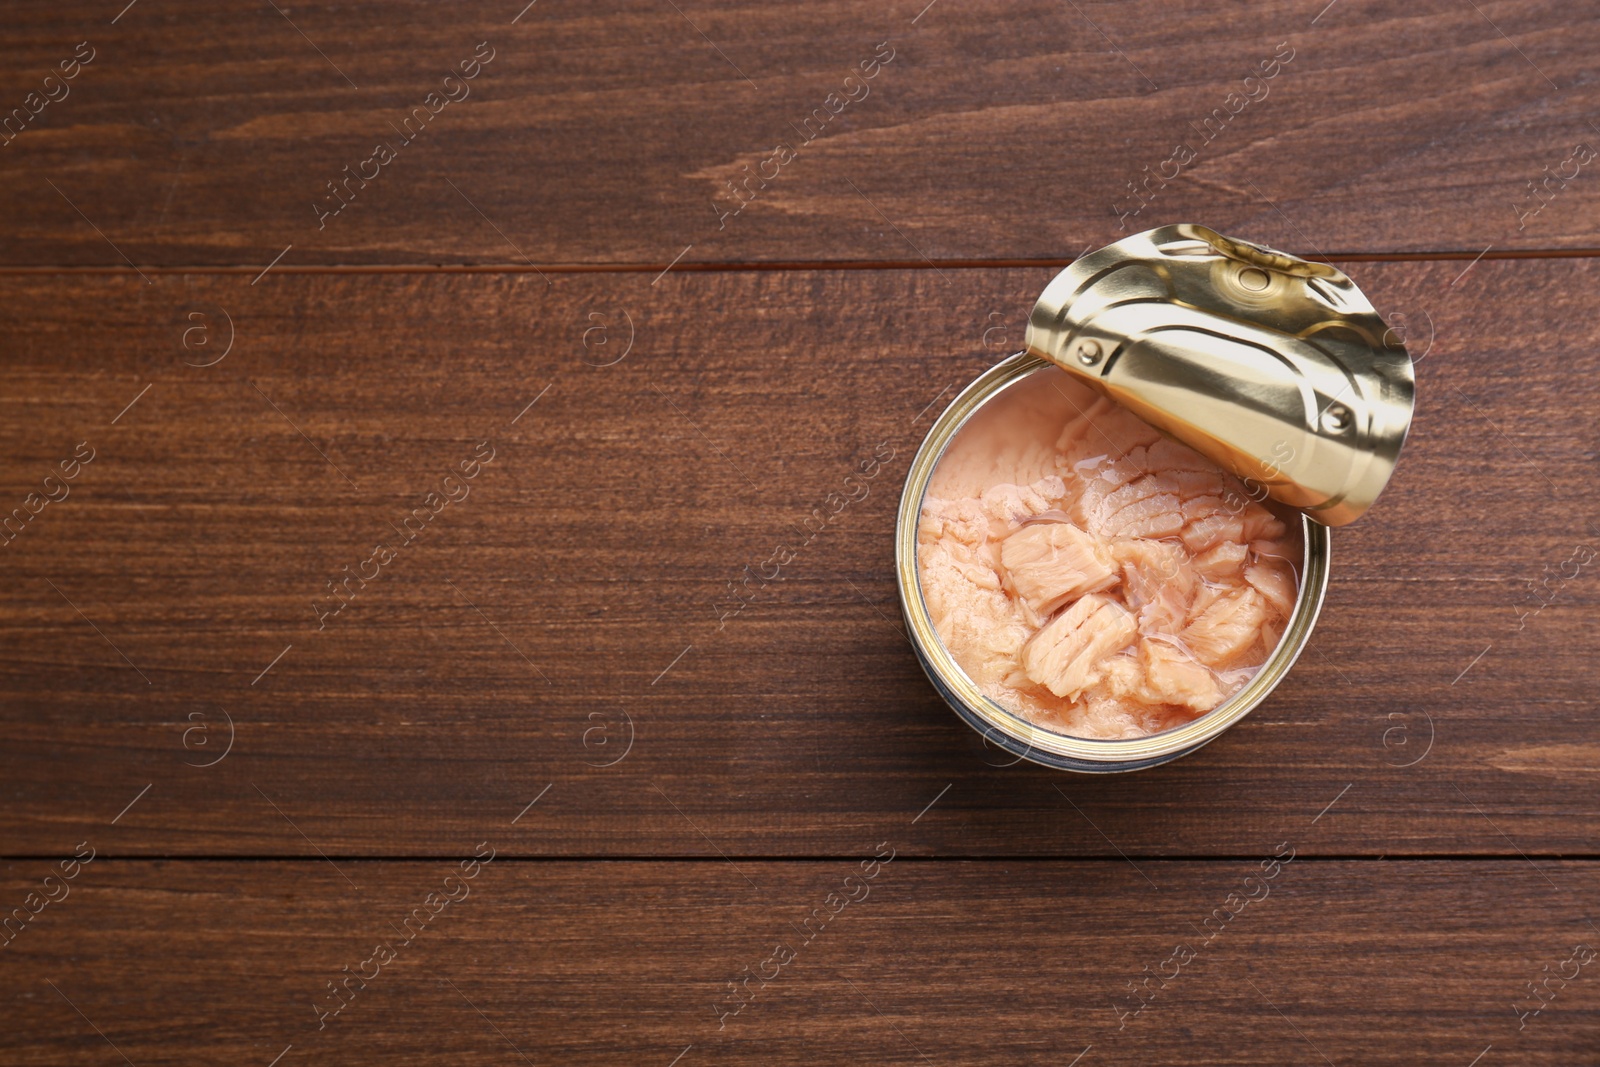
(1276, 369)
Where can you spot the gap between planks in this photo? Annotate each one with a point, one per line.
(1309, 858)
(734, 266)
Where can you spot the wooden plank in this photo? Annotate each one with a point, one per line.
(951, 962)
(579, 588)
(607, 133)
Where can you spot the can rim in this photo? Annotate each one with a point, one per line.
(1009, 730)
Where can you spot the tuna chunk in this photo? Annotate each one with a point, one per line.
(1172, 676)
(1144, 508)
(1214, 520)
(1159, 673)
(1192, 485)
(1100, 477)
(1050, 564)
(1275, 581)
(1104, 426)
(1158, 582)
(1227, 627)
(1009, 505)
(1214, 524)
(1063, 656)
(1167, 457)
(1223, 560)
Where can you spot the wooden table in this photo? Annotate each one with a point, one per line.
(525, 789)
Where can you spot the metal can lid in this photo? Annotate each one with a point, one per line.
(1277, 369)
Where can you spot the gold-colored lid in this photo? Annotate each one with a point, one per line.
(1277, 369)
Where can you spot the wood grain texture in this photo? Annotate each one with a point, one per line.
(605, 133)
(578, 588)
(944, 963)
(218, 399)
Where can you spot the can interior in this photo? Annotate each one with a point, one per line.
(1002, 406)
